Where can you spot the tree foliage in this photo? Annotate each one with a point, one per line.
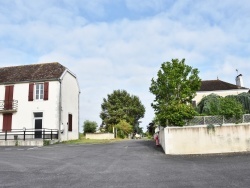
(227, 106)
(151, 128)
(120, 105)
(244, 99)
(123, 129)
(209, 105)
(230, 107)
(174, 89)
(89, 126)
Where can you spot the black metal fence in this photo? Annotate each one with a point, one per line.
(29, 134)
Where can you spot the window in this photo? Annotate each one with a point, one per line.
(38, 114)
(194, 103)
(39, 91)
(70, 122)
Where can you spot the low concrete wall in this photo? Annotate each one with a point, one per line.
(107, 136)
(25, 143)
(201, 140)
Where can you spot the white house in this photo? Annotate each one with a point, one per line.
(37, 97)
(220, 88)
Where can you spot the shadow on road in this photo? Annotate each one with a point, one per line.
(151, 145)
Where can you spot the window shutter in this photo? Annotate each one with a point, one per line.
(7, 121)
(31, 89)
(46, 90)
(8, 97)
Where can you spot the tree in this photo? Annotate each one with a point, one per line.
(89, 126)
(209, 105)
(151, 128)
(230, 107)
(174, 89)
(227, 106)
(123, 129)
(244, 99)
(120, 105)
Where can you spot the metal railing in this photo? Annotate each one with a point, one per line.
(206, 120)
(29, 134)
(8, 105)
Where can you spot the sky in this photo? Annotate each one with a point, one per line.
(121, 44)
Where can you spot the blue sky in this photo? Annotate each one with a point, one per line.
(120, 44)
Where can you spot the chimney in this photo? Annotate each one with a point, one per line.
(239, 80)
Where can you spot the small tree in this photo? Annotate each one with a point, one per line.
(151, 128)
(174, 89)
(123, 129)
(89, 126)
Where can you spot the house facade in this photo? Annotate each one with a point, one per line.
(40, 96)
(220, 88)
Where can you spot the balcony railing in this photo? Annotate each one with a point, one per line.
(8, 106)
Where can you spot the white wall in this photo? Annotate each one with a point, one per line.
(162, 137)
(101, 136)
(24, 117)
(70, 105)
(200, 140)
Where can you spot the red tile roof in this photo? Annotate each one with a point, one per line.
(34, 72)
(214, 85)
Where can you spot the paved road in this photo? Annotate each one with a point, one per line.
(135, 163)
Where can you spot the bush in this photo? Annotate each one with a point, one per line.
(230, 107)
(89, 126)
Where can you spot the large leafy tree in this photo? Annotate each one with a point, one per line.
(174, 88)
(120, 105)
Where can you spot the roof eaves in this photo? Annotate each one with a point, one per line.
(29, 81)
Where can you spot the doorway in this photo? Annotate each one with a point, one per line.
(38, 121)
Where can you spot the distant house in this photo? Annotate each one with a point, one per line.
(39, 96)
(220, 88)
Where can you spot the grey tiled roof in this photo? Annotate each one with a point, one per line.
(34, 72)
(214, 85)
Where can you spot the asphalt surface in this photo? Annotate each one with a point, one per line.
(134, 163)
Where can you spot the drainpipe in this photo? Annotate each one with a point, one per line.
(60, 109)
